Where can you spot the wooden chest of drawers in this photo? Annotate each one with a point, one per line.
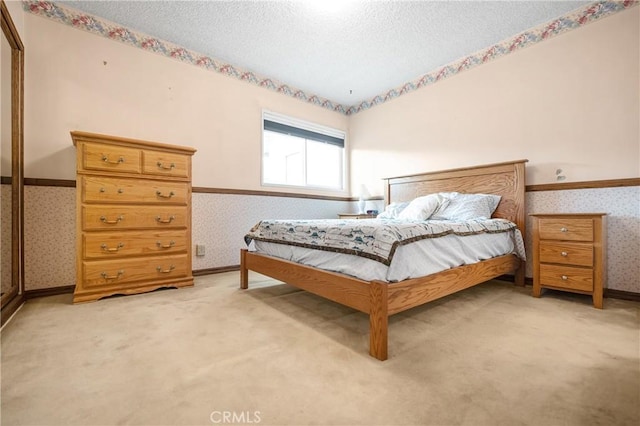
(133, 216)
(569, 253)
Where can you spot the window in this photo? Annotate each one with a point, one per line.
(298, 153)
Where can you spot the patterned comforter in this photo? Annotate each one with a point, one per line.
(376, 239)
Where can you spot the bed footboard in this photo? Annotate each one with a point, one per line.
(368, 297)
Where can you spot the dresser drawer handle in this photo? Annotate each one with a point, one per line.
(161, 195)
(105, 158)
(563, 229)
(163, 167)
(103, 219)
(120, 190)
(165, 271)
(169, 220)
(112, 277)
(564, 254)
(564, 277)
(111, 249)
(165, 246)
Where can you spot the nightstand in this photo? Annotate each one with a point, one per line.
(355, 216)
(569, 253)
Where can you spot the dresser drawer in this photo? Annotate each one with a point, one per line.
(114, 190)
(123, 271)
(111, 158)
(567, 277)
(102, 217)
(567, 229)
(106, 245)
(165, 164)
(579, 254)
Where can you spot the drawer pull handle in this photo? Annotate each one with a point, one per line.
(105, 158)
(120, 190)
(165, 246)
(564, 277)
(169, 220)
(104, 247)
(103, 219)
(163, 167)
(161, 195)
(564, 254)
(112, 277)
(563, 229)
(165, 271)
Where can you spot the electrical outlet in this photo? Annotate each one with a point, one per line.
(200, 250)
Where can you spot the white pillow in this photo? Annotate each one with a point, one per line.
(392, 210)
(468, 206)
(422, 208)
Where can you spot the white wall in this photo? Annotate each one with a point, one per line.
(570, 102)
(79, 81)
(17, 15)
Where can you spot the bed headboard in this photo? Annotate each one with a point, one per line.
(504, 179)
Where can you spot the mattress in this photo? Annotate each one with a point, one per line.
(418, 259)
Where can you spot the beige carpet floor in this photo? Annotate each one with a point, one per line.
(273, 355)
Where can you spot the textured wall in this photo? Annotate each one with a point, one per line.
(49, 237)
(221, 220)
(5, 235)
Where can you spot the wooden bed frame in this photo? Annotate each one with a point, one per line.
(381, 299)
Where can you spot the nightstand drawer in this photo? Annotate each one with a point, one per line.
(579, 254)
(566, 277)
(566, 229)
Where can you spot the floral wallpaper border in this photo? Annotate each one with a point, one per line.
(99, 26)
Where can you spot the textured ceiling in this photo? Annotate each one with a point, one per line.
(345, 51)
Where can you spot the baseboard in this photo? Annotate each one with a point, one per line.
(621, 294)
(219, 270)
(53, 291)
(608, 292)
(10, 308)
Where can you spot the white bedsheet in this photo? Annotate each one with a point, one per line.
(413, 260)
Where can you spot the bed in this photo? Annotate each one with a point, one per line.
(380, 299)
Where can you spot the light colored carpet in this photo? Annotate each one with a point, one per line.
(214, 354)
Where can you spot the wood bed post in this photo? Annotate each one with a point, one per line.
(519, 275)
(378, 320)
(244, 272)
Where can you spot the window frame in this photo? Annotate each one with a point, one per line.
(305, 126)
